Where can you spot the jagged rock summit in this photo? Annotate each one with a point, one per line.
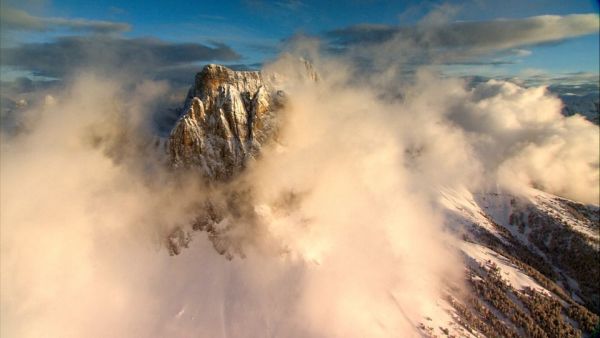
(228, 116)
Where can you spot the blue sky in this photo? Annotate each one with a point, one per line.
(254, 29)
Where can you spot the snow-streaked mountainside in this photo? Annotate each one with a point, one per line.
(531, 262)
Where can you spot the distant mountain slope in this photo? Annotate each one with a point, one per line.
(587, 105)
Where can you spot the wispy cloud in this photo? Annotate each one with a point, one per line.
(292, 5)
(114, 10)
(289, 14)
(469, 37)
(287, 5)
(536, 77)
(211, 17)
(65, 54)
(16, 19)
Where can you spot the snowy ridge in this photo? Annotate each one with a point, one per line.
(524, 254)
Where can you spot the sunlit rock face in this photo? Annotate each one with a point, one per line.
(229, 116)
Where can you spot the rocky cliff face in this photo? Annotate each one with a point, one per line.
(228, 116)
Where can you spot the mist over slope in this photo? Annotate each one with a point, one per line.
(369, 248)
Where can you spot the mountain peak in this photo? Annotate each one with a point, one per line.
(229, 115)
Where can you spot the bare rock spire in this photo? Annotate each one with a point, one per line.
(228, 116)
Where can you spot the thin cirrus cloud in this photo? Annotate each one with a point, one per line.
(18, 20)
(60, 57)
(99, 45)
(475, 37)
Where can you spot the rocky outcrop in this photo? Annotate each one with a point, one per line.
(229, 115)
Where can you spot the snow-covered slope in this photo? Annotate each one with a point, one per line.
(531, 264)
